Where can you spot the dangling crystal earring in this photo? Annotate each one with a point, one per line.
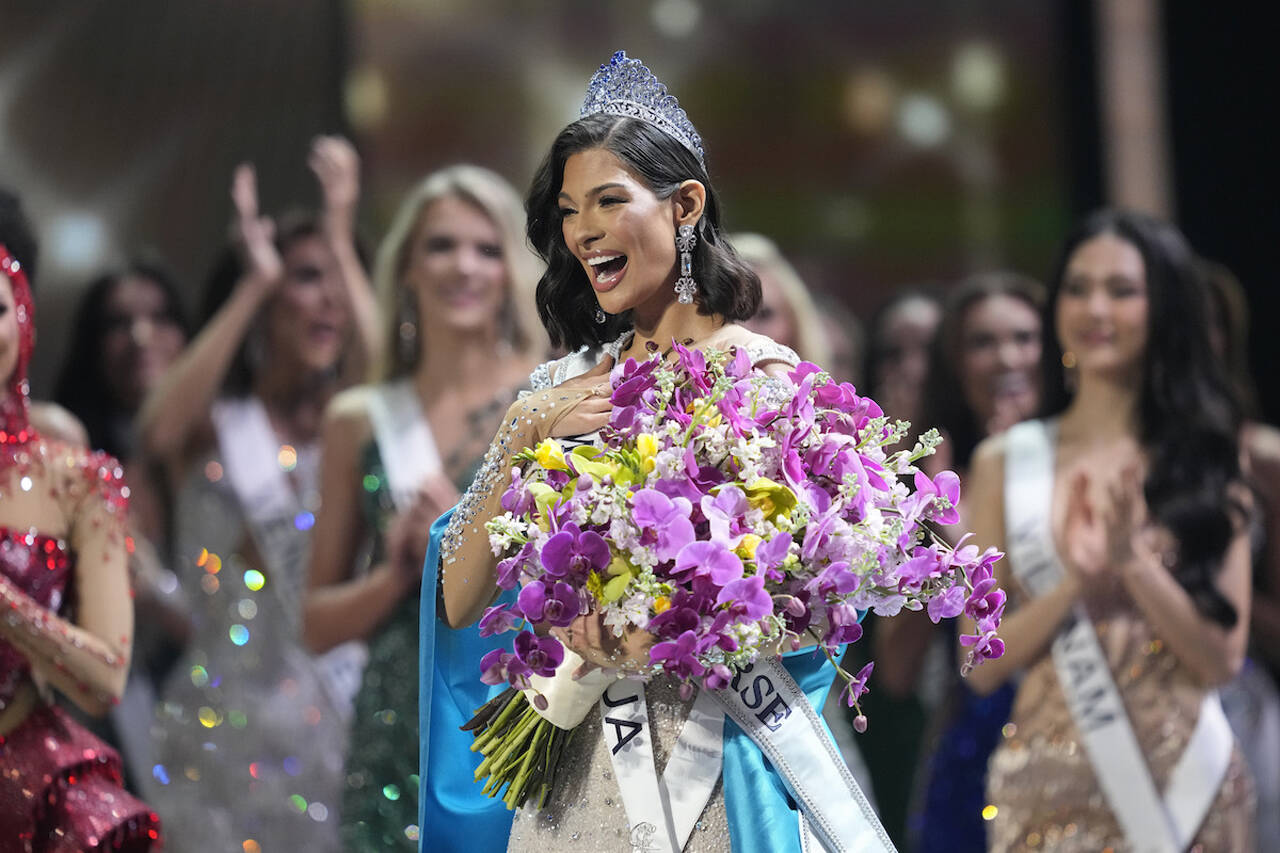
(686, 287)
(600, 318)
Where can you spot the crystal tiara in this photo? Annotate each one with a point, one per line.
(624, 87)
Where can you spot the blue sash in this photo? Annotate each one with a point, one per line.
(453, 814)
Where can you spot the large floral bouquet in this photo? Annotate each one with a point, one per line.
(730, 515)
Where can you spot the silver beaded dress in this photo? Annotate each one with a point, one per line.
(585, 811)
(248, 742)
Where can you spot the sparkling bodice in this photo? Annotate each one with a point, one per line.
(41, 567)
(1040, 778)
(586, 812)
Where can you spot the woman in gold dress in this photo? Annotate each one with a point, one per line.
(1141, 529)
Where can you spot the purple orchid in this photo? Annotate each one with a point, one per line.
(540, 654)
(834, 579)
(708, 559)
(497, 619)
(574, 552)
(666, 519)
(843, 626)
(856, 689)
(557, 605)
(946, 486)
(747, 598)
(678, 656)
(947, 605)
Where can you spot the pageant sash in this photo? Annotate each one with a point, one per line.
(661, 813)
(1150, 822)
(405, 443)
(767, 704)
(277, 521)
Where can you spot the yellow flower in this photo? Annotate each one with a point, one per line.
(595, 586)
(647, 448)
(550, 455)
(661, 603)
(773, 499)
(747, 547)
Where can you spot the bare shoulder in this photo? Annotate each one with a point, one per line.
(346, 418)
(988, 459)
(54, 421)
(1260, 445)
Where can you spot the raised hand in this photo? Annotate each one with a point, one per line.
(253, 234)
(336, 165)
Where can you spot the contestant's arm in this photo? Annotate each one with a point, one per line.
(87, 659)
(179, 403)
(1213, 652)
(338, 606)
(1028, 630)
(337, 166)
(1262, 452)
(467, 565)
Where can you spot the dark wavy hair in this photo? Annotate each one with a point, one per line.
(945, 406)
(1189, 419)
(566, 302)
(81, 386)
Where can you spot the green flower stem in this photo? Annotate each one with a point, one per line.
(515, 703)
(515, 794)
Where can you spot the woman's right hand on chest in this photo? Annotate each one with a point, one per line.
(577, 406)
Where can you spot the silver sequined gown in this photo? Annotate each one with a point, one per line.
(585, 811)
(248, 744)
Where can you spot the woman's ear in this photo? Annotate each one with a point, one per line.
(690, 201)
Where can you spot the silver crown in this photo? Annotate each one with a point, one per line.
(624, 87)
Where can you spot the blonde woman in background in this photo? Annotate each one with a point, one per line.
(787, 312)
(455, 282)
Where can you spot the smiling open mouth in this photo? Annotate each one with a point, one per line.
(607, 267)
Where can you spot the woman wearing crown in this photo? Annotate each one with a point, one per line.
(620, 188)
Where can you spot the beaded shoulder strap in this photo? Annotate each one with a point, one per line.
(772, 351)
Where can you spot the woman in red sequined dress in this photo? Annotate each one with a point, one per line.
(66, 620)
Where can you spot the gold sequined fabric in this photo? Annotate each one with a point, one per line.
(586, 812)
(1041, 783)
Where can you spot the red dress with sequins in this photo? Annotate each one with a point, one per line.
(60, 786)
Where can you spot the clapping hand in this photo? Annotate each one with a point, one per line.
(1107, 536)
(336, 165)
(410, 531)
(252, 234)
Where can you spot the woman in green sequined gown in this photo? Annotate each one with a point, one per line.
(455, 281)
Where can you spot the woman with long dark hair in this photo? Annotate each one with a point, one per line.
(622, 194)
(128, 328)
(1123, 514)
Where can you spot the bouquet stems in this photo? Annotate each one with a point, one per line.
(521, 750)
